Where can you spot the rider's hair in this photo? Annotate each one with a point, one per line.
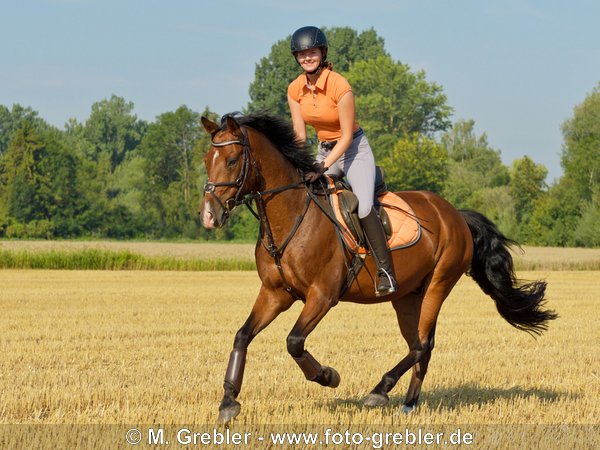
(327, 64)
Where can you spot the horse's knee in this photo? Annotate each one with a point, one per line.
(242, 339)
(295, 345)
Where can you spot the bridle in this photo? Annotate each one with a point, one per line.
(240, 181)
(209, 186)
(276, 251)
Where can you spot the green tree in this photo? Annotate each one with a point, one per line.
(21, 177)
(112, 130)
(416, 162)
(473, 164)
(499, 206)
(460, 185)
(527, 184)
(587, 232)
(274, 72)
(106, 141)
(565, 215)
(13, 119)
(40, 187)
(392, 102)
(347, 46)
(555, 215)
(172, 151)
(94, 191)
(581, 150)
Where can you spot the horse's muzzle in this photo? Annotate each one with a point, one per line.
(212, 216)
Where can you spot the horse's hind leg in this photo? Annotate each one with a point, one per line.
(416, 381)
(407, 311)
(417, 322)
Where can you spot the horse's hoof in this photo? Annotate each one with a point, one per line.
(374, 400)
(334, 377)
(407, 409)
(229, 412)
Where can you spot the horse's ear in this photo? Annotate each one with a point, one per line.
(210, 126)
(232, 124)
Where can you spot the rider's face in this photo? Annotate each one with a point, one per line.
(309, 59)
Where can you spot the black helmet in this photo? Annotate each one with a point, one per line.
(308, 37)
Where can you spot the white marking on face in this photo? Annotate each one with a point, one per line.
(215, 156)
(208, 218)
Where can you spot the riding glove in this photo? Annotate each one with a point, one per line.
(318, 170)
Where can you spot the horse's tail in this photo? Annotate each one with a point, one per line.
(521, 304)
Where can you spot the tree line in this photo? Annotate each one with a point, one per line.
(117, 176)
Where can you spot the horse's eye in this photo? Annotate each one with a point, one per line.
(232, 162)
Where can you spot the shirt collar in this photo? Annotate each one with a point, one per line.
(320, 84)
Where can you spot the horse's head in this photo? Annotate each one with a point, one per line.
(228, 168)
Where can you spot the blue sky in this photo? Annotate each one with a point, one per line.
(515, 67)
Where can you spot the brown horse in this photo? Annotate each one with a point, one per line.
(299, 257)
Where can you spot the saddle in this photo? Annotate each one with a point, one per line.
(397, 217)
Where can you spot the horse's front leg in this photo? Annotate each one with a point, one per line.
(317, 305)
(267, 307)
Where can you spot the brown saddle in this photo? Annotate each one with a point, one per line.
(397, 217)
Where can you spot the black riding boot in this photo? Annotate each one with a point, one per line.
(377, 242)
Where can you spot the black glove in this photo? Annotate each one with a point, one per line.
(318, 170)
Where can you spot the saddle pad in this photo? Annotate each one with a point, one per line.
(406, 230)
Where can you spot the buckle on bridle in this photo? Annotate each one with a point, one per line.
(230, 204)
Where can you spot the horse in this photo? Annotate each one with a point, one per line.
(256, 160)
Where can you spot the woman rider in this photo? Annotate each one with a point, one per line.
(324, 99)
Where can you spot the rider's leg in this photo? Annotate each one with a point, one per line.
(359, 165)
(377, 242)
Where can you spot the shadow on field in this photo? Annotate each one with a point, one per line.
(464, 395)
(473, 394)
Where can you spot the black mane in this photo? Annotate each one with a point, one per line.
(281, 134)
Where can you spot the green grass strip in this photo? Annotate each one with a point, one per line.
(96, 259)
(101, 259)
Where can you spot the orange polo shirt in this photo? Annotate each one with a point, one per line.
(319, 108)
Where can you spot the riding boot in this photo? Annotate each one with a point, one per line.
(377, 242)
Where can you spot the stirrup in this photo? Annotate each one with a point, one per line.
(387, 291)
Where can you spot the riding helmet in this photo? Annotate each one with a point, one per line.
(308, 37)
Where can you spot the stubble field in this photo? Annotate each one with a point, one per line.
(151, 347)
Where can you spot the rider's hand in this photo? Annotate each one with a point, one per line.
(318, 170)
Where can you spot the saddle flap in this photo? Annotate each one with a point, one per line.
(349, 209)
(348, 203)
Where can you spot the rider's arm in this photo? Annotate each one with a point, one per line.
(346, 111)
(297, 120)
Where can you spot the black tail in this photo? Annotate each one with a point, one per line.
(521, 304)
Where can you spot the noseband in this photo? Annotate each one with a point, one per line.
(209, 186)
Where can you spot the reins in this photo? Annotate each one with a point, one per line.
(260, 214)
(275, 251)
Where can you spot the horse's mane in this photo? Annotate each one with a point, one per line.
(281, 134)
